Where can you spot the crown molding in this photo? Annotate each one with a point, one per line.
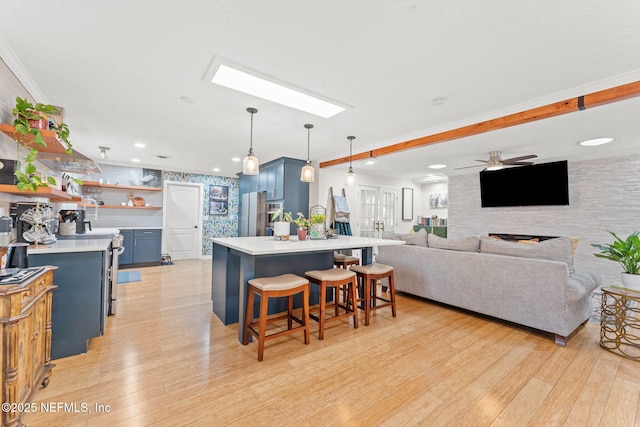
(17, 68)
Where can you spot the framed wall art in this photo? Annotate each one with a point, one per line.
(218, 200)
(407, 203)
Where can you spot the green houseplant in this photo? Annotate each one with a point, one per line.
(303, 224)
(27, 120)
(625, 252)
(282, 224)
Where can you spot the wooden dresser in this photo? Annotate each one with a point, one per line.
(25, 356)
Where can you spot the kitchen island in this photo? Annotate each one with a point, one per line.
(78, 305)
(236, 260)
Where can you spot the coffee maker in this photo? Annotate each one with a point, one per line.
(6, 227)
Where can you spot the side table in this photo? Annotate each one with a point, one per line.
(620, 322)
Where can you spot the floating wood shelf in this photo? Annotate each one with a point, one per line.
(120, 187)
(152, 208)
(54, 145)
(48, 192)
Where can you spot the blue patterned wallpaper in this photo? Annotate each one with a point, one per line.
(212, 225)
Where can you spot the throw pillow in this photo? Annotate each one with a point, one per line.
(416, 239)
(467, 244)
(558, 249)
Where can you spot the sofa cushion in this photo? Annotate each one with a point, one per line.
(558, 249)
(418, 238)
(466, 244)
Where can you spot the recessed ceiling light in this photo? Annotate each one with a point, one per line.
(370, 162)
(437, 166)
(595, 141)
(139, 144)
(248, 83)
(162, 156)
(216, 169)
(235, 159)
(438, 101)
(430, 178)
(186, 100)
(135, 160)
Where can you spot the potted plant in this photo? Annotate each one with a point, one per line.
(282, 224)
(303, 224)
(627, 253)
(31, 119)
(318, 226)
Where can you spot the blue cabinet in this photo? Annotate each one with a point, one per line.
(127, 256)
(79, 308)
(141, 247)
(280, 179)
(147, 246)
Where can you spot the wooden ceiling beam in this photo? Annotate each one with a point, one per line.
(595, 99)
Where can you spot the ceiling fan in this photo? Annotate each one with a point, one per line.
(495, 162)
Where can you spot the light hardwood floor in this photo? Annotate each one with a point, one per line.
(167, 360)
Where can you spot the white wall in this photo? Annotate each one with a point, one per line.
(335, 177)
(604, 194)
(428, 190)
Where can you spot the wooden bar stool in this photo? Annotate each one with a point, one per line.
(285, 285)
(344, 261)
(368, 276)
(335, 278)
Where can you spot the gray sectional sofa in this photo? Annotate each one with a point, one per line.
(530, 284)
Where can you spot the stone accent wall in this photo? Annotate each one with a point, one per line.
(604, 195)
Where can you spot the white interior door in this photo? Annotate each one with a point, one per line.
(183, 220)
(377, 210)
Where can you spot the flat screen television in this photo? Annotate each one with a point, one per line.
(544, 184)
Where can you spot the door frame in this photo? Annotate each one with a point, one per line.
(165, 235)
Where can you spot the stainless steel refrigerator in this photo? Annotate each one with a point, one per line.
(253, 214)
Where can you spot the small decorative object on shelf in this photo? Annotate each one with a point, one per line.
(318, 216)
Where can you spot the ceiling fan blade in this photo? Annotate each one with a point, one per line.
(467, 167)
(483, 161)
(511, 160)
(519, 163)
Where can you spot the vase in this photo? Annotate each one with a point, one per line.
(302, 234)
(281, 230)
(631, 281)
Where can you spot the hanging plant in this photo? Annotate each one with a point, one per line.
(31, 119)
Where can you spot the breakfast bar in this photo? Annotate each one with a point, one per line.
(236, 260)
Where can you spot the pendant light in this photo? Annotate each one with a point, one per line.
(307, 172)
(351, 176)
(250, 165)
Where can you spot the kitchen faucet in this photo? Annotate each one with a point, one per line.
(95, 203)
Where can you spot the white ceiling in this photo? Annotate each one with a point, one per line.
(120, 68)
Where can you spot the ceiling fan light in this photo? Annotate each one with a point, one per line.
(494, 166)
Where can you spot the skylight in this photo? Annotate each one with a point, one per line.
(247, 83)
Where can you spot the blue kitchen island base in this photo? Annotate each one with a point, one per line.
(78, 311)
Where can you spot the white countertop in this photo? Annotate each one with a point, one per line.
(66, 246)
(267, 245)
